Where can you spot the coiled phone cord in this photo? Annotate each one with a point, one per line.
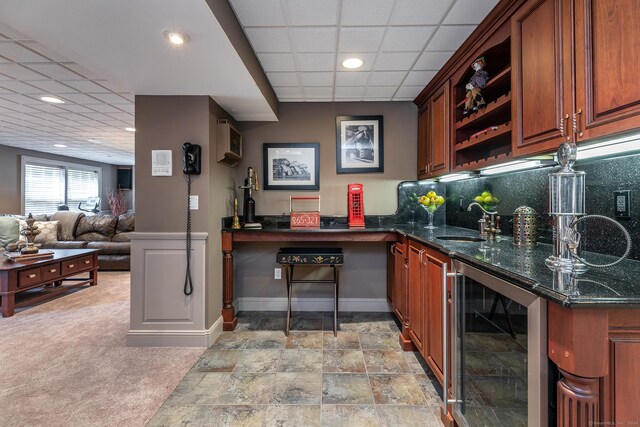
(188, 282)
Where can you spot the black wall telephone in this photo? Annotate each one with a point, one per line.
(191, 158)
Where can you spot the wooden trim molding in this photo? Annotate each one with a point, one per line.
(578, 401)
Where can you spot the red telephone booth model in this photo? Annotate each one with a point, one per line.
(355, 204)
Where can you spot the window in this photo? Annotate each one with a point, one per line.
(48, 184)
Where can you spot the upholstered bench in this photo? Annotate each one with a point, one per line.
(311, 257)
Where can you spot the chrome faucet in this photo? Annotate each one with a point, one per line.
(489, 224)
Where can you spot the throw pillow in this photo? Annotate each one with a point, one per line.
(48, 231)
(9, 231)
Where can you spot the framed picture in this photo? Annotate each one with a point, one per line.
(359, 147)
(291, 166)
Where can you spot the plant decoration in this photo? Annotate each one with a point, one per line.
(117, 201)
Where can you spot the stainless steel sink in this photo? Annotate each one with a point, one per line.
(461, 238)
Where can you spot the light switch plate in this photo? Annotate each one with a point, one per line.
(622, 204)
(193, 203)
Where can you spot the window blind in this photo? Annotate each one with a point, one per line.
(43, 188)
(81, 184)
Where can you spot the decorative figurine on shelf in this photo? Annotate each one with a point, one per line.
(478, 81)
(236, 220)
(29, 232)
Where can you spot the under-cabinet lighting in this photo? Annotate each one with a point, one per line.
(60, 145)
(517, 165)
(612, 147)
(456, 177)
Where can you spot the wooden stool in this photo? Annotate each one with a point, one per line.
(311, 257)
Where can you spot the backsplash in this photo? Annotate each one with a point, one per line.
(531, 188)
(410, 210)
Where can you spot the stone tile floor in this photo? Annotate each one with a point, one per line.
(256, 376)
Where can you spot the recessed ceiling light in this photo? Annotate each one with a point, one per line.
(60, 145)
(176, 37)
(51, 99)
(130, 129)
(352, 63)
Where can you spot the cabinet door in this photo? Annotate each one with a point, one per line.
(423, 140)
(439, 141)
(399, 293)
(607, 61)
(434, 263)
(540, 78)
(416, 295)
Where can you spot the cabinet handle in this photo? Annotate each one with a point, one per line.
(53, 270)
(420, 254)
(392, 249)
(71, 265)
(576, 117)
(31, 276)
(562, 120)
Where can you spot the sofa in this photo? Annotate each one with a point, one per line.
(74, 230)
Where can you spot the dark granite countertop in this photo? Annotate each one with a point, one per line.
(617, 286)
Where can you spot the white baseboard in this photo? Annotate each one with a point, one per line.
(175, 338)
(311, 304)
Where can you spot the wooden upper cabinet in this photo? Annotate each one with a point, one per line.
(607, 61)
(433, 134)
(423, 132)
(439, 142)
(541, 78)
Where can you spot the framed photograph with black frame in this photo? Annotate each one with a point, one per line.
(359, 144)
(291, 166)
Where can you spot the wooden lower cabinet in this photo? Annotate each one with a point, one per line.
(397, 283)
(597, 352)
(417, 295)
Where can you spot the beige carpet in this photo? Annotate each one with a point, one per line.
(65, 363)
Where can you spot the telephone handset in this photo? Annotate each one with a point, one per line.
(191, 158)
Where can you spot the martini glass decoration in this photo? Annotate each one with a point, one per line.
(431, 202)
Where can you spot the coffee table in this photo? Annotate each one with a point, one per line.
(16, 277)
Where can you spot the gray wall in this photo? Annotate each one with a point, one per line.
(364, 272)
(316, 122)
(165, 123)
(11, 175)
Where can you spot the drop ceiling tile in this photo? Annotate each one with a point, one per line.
(283, 79)
(75, 108)
(277, 62)
(450, 37)
(409, 91)
(432, 60)
(11, 33)
(318, 92)
(48, 108)
(365, 12)
(19, 72)
(417, 78)
(360, 39)
(387, 78)
(319, 39)
(19, 87)
(18, 53)
(288, 92)
(472, 12)
(269, 39)
(317, 79)
(9, 99)
(121, 116)
(312, 12)
(419, 12)
(79, 98)
(381, 91)
(110, 98)
(52, 86)
(44, 51)
(316, 61)
(83, 72)
(259, 12)
(3, 90)
(388, 61)
(352, 78)
(54, 71)
(86, 86)
(368, 58)
(349, 91)
(406, 39)
(128, 96)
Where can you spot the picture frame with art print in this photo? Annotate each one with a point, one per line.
(291, 166)
(359, 144)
